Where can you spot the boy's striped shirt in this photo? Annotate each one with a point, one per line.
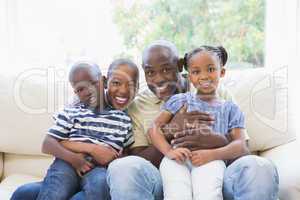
(79, 123)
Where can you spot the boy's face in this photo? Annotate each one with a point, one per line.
(122, 86)
(89, 90)
(161, 72)
(205, 73)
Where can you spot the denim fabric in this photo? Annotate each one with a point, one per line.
(134, 178)
(251, 177)
(62, 183)
(247, 178)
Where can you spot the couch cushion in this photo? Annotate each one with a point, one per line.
(1, 165)
(25, 164)
(285, 159)
(11, 183)
(262, 96)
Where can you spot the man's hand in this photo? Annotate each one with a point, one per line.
(179, 154)
(201, 137)
(103, 155)
(80, 164)
(201, 157)
(184, 121)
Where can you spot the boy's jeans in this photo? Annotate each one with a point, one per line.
(62, 183)
(247, 178)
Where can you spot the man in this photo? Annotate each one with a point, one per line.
(136, 177)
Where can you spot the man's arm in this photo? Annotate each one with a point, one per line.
(200, 137)
(150, 153)
(196, 139)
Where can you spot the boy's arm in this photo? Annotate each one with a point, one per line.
(53, 147)
(78, 147)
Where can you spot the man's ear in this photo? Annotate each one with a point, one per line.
(180, 64)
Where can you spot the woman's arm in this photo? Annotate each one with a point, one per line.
(102, 154)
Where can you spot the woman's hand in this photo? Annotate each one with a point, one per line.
(103, 155)
(179, 154)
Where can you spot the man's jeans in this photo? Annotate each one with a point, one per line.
(134, 178)
(62, 183)
(247, 178)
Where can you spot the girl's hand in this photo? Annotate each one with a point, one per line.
(201, 157)
(179, 154)
(80, 164)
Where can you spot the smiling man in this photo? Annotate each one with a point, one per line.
(137, 176)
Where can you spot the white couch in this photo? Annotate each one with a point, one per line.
(262, 96)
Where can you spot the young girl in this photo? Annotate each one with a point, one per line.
(198, 174)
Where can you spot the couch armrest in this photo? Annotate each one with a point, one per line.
(286, 159)
(1, 165)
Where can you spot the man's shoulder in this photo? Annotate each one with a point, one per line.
(144, 99)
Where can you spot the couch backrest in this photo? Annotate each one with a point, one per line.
(26, 107)
(1, 165)
(263, 97)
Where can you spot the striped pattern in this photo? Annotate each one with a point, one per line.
(79, 123)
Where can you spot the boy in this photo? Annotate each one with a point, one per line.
(90, 127)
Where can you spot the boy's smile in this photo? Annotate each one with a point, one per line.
(87, 89)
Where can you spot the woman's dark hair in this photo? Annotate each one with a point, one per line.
(219, 51)
(122, 61)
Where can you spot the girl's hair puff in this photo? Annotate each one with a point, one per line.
(219, 51)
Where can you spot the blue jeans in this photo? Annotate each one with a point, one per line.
(134, 178)
(247, 178)
(63, 183)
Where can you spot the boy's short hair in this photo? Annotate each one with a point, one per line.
(92, 67)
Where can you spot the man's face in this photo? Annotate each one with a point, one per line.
(88, 90)
(161, 72)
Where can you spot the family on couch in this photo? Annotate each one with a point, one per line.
(112, 148)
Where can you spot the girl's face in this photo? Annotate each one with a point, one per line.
(205, 72)
(122, 86)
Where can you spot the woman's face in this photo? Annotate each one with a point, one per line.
(122, 86)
